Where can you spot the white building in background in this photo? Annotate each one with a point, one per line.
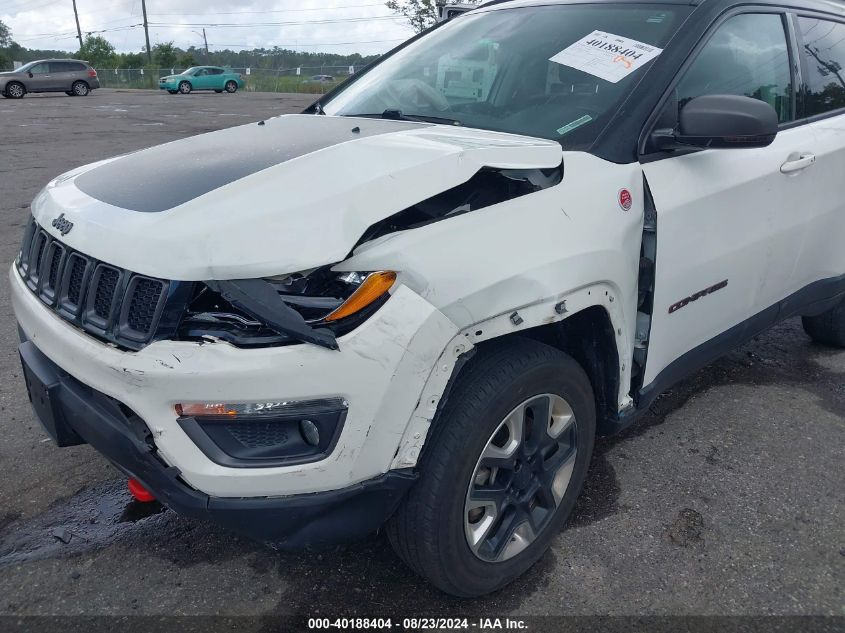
(448, 10)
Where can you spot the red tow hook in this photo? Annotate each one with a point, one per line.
(139, 492)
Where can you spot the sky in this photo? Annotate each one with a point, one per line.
(337, 26)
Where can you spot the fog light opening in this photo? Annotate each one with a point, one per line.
(264, 434)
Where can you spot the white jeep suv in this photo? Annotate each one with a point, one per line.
(418, 302)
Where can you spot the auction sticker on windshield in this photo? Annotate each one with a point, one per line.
(607, 56)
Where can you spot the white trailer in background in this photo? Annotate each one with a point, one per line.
(449, 10)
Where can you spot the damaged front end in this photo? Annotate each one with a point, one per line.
(488, 187)
(315, 307)
(320, 305)
(238, 282)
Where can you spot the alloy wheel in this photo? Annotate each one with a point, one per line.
(520, 478)
(15, 91)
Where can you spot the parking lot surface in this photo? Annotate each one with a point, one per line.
(726, 499)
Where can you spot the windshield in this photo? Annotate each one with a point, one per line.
(494, 70)
(25, 67)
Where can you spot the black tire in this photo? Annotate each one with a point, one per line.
(428, 529)
(69, 93)
(218, 91)
(14, 90)
(173, 92)
(231, 86)
(185, 87)
(827, 328)
(80, 89)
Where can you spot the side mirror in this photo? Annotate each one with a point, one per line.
(722, 121)
(30, 75)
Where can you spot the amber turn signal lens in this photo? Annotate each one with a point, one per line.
(198, 410)
(374, 287)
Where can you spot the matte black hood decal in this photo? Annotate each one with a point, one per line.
(163, 177)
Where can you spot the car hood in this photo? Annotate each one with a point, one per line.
(286, 195)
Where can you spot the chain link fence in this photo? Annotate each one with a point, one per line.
(306, 80)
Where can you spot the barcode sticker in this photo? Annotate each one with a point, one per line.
(607, 56)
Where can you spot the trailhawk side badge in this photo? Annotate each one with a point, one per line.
(698, 295)
(62, 225)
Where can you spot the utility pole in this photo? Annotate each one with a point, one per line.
(205, 39)
(78, 30)
(146, 31)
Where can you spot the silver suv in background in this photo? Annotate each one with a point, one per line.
(73, 77)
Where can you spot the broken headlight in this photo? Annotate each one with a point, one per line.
(316, 306)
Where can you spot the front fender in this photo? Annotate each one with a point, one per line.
(549, 311)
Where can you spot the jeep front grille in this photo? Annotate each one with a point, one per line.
(111, 303)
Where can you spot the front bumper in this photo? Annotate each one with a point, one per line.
(71, 411)
(380, 370)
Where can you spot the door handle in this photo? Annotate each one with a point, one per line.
(797, 162)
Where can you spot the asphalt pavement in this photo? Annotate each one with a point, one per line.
(726, 499)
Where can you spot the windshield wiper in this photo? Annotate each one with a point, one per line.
(397, 115)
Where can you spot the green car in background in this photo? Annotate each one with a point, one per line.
(202, 78)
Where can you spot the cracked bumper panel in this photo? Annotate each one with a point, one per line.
(73, 413)
(380, 370)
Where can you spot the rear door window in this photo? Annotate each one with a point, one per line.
(823, 52)
(746, 56)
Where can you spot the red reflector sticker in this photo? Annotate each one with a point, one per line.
(625, 200)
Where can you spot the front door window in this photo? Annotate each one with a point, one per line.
(747, 56)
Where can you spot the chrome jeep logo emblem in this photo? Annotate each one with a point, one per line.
(62, 225)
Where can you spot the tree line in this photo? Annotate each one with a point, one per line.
(101, 54)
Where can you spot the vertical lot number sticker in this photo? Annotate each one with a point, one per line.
(607, 56)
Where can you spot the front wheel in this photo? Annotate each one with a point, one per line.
(173, 92)
(231, 87)
(15, 90)
(80, 89)
(827, 328)
(185, 88)
(507, 457)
